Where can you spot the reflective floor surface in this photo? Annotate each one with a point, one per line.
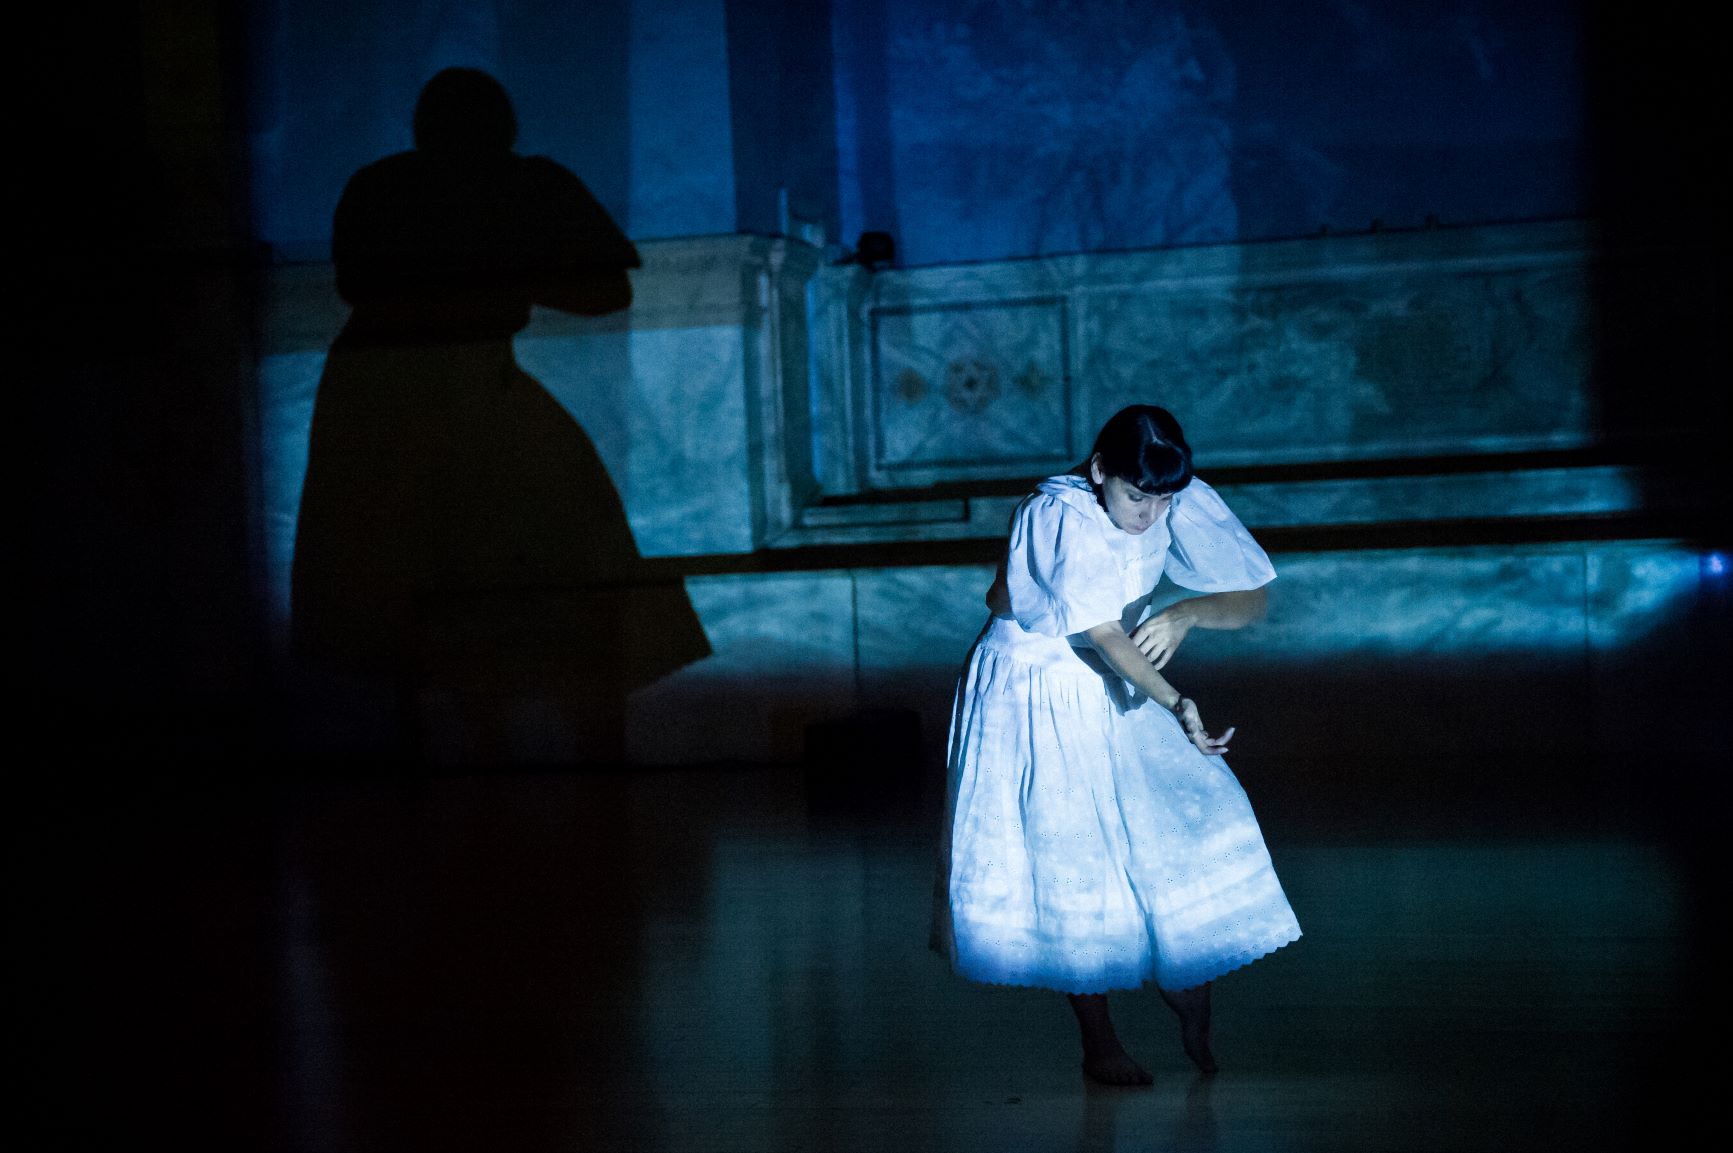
(703, 961)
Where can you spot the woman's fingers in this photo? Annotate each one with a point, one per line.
(1153, 653)
(1156, 640)
(1211, 746)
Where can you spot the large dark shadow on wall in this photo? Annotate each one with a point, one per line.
(459, 537)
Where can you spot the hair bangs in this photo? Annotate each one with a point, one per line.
(1144, 446)
(1163, 469)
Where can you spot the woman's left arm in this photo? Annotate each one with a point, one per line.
(1158, 637)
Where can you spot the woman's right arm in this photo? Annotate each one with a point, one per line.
(1123, 656)
(585, 255)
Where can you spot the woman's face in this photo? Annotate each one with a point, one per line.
(1128, 507)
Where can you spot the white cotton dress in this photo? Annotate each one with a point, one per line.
(1087, 844)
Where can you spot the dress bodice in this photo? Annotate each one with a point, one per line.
(1069, 567)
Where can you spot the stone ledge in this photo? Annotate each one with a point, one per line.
(1594, 491)
(1483, 248)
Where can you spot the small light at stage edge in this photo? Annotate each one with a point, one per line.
(1715, 564)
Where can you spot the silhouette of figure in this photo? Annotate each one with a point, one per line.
(457, 527)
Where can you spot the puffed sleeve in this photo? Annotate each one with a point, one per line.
(1059, 571)
(1211, 551)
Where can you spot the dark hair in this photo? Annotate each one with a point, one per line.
(464, 110)
(1143, 446)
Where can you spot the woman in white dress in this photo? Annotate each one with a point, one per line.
(1094, 839)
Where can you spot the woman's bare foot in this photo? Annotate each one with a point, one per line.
(1117, 1069)
(1105, 1060)
(1191, 1006)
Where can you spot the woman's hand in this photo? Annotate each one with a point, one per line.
(1186, 711)
(1158, 637)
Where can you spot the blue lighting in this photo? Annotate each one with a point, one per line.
(1715, 564)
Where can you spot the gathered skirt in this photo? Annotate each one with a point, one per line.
(1087, 844)
(457, 522)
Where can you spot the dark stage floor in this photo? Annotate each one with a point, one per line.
(699, 961)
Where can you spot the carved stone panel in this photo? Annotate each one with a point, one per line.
(968, 391)
(1412, 363)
